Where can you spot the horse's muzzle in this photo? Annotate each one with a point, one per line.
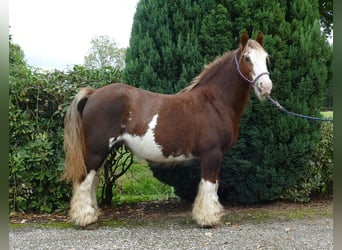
(265, 88)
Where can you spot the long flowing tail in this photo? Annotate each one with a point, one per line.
(74, 146)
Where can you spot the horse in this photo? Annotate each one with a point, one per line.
(199, 122)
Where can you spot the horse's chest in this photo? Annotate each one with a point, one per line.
(146, 147)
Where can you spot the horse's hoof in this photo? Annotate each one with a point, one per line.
(216, 226)
(92, 226)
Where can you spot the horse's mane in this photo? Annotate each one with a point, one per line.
(211, 68)
(208, 71)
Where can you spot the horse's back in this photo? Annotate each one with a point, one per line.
(116, 108)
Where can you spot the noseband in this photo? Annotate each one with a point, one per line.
(245, 78)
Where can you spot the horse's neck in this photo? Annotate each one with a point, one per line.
(238, 99)
(221, 85)
(230, 90)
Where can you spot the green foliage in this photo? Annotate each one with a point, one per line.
(319, 177)
(215, 29)
(329, 100)
(37, 104)
(138, 184)
(326, 12)
(105, 52)
(274, 150)
(164, 50)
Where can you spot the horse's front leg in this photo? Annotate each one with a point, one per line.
(207, 210)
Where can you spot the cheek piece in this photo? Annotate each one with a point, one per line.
(245, 78)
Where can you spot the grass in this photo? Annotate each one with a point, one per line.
(59, 225)
(328, 114)
(138, 184)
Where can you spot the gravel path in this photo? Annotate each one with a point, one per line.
(176, 233)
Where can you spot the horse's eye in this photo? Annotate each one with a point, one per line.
(248, 59)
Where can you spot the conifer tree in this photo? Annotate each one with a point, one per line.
(215, 33)
(164, 53)
(273, 150)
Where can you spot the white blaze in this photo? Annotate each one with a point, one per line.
(264, 84)
(258, 59)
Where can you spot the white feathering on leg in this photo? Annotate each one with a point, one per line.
(207, 210)
(83, 207)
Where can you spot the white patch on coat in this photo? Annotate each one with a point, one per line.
(83, 206)
(207, 210)
(146, 147)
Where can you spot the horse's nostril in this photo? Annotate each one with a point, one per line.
(260, 87)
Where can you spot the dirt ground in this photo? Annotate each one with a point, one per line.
(177, 208)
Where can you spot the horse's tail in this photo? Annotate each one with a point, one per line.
(74, 147)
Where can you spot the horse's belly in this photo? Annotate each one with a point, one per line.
(146, 147)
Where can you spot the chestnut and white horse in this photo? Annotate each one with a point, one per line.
(201, 121)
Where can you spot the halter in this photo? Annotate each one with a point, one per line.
(245, 78)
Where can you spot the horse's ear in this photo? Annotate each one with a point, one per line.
(244, 39)
(260, 38)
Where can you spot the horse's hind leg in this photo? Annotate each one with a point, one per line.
(84, 210)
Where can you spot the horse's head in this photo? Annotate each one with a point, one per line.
(252, 65)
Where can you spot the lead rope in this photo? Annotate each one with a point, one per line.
(277, 104)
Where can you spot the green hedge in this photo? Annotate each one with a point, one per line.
(319, 178)
(37, 104)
